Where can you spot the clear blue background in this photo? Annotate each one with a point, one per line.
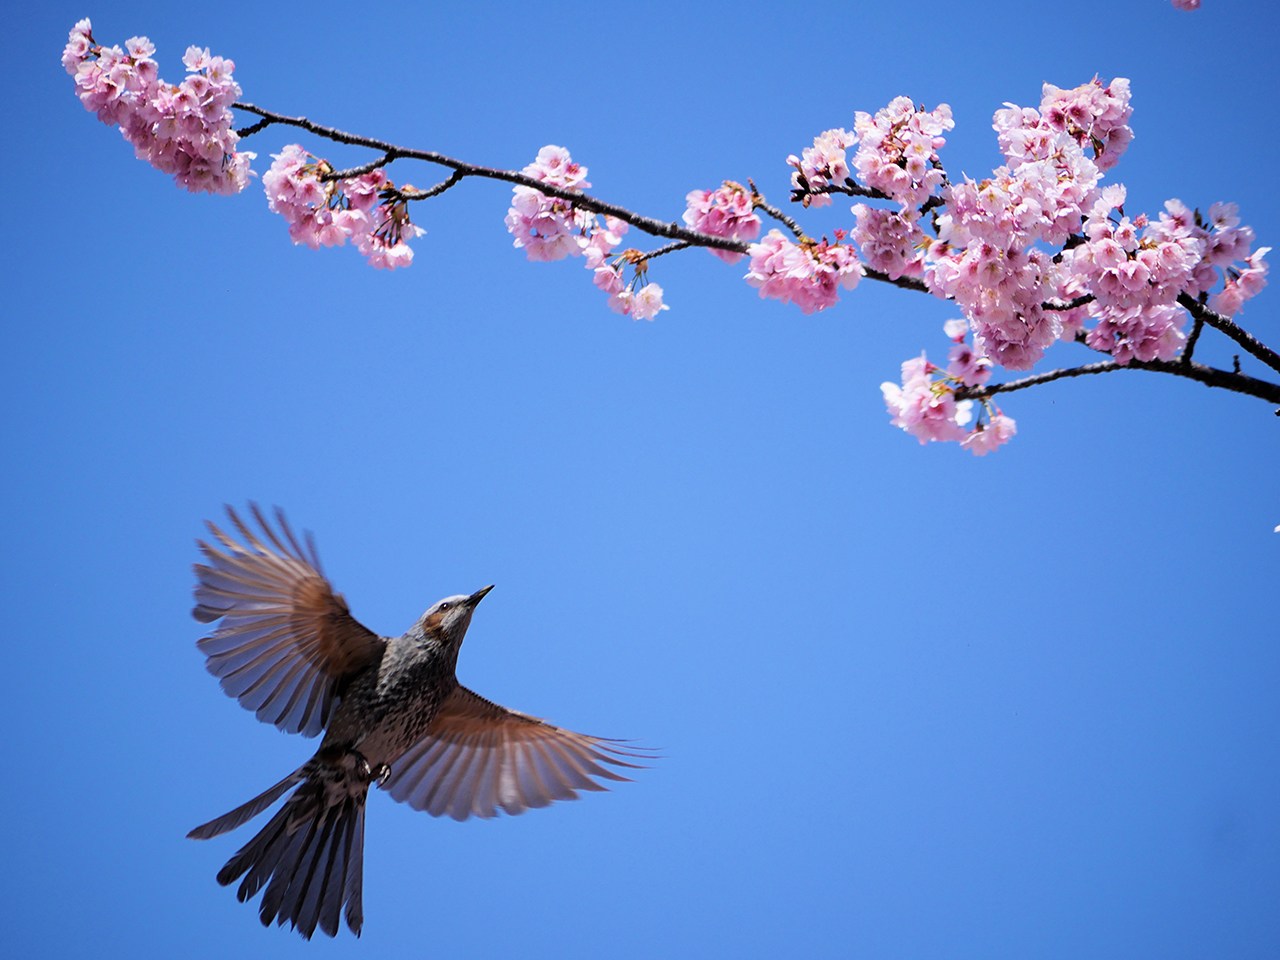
(911, 703)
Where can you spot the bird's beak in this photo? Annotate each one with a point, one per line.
(478, 595)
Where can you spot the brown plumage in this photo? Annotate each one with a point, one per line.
(392, 711)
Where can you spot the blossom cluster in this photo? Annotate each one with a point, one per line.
(820, 166)
(1039, 251)
(1018, 298)
(1092, 114)
(727, 212)
(183, 130)
(638, 298)
(898, 150)
(365, 209)
(925, 404)
(891, 241)
(551, 228)
(809, 274)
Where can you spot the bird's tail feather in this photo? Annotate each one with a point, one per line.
(247, 811)
(309, 856)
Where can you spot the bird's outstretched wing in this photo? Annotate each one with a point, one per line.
(287, 640)
(478, 758)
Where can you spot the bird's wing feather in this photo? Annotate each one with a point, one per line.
(287, 639)
(478, 758)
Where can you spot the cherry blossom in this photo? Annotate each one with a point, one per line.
(328, 213)
(821, 165)
(726, 212)
(1040, 250)
(808, 274)
(1092, 114)
(926, 407)
(183, 130)
(986, 437)
(1242, 285)
(891, 241)
(898, 150)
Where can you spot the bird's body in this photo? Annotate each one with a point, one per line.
(392, 712)
(389, 705)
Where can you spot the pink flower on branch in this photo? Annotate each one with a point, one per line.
(808, 274)
(822, 165)
(987, 437)
(366, 209)
(926, 407)
(1092, 114)
(891, 242)
(1040, 250)
(549, 228)
(925, 403)
(1242, 285)
(639, 299)
(183, 130)
(898, 150)
(725, 212)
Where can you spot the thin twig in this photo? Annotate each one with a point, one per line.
(1190, 348)
(758, 200)
(1079, 301)
(1231, 329)
(1209, 376)
(452, 180)
(582, 201)
(253, 128)
(906, 283)
(369, 167)
(687, 237)
(669, 248)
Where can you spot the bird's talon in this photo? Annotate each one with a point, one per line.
(381, 773)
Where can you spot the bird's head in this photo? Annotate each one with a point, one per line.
(447, 620)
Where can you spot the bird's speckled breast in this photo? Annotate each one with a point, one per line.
(388, 707)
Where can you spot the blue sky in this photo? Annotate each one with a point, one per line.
(911, 703)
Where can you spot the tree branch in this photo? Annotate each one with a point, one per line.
(582, 201)
(452, 180)
(1209, 376)
(1229, 327)
(757, 200)
(685, 237)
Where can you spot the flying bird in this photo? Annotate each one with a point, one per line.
(392, 713)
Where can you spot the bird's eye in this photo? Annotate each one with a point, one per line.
(445, 606)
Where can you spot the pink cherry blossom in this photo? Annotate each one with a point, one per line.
(725, 212)
(890, 241)
(1092, 114)
(965, 364)
(926, 407)
(985, 438)
(898, 150)
(646, 303)
(1002, 292)
(807, 274)
(183, 130)
(549, 228)
(821, 165)
(328, 213)
(1242, 285)
(555, 167)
